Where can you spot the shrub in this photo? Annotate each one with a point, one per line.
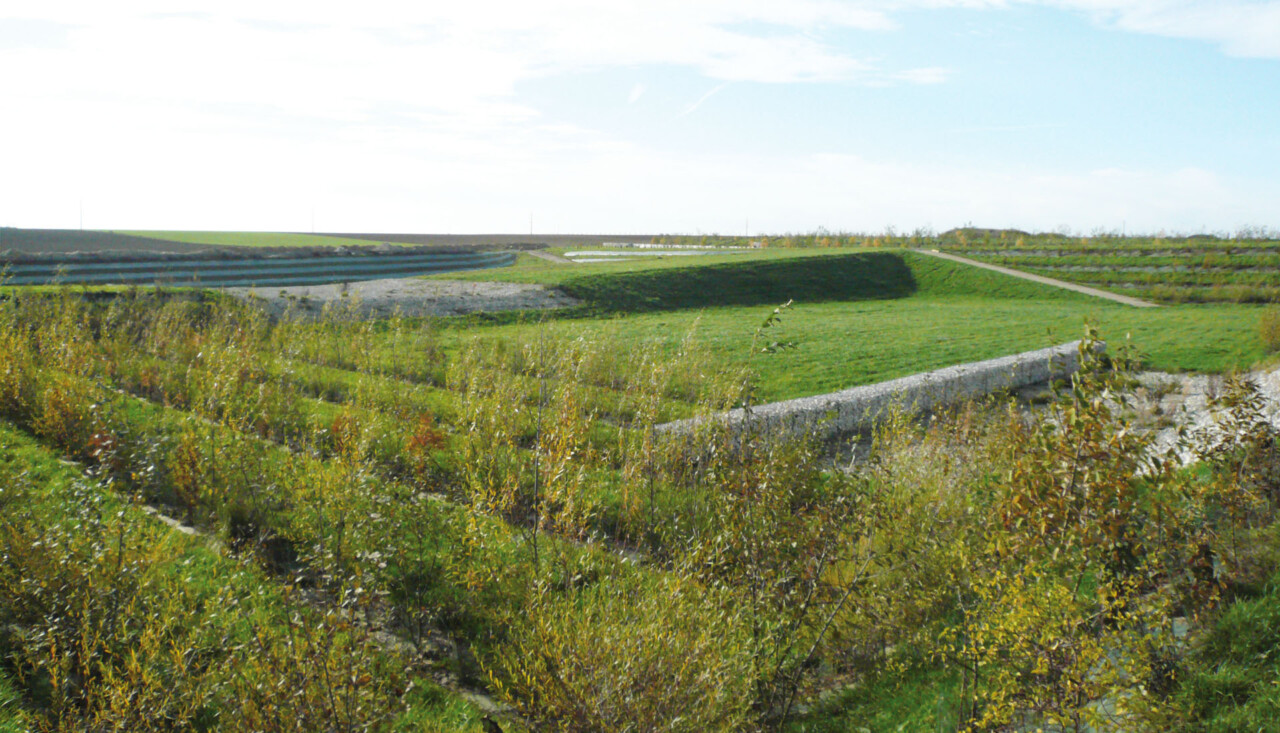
(114, 623)
(65, 415)
(1269, 329)
(622, 657)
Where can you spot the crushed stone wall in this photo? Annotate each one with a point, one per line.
(856, 410)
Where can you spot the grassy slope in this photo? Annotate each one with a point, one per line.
(919, 698)
(529, 269)
(1233, 680)
(855, 329)
(12, 719)
(253, 239)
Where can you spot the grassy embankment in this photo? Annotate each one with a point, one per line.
(866, 316)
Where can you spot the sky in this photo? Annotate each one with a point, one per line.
(653, 116)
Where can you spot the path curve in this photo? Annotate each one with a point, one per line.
(1126, 300)
(549, 257)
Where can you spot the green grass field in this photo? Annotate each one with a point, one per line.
(864, 316)
(841, 345)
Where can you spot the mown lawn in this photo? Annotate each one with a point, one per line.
(840, 345)
(864, 316)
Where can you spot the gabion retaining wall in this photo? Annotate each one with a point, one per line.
(856, 410)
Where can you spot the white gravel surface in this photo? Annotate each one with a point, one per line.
(1166, 402)
(411, 296)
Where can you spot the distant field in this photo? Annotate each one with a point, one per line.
(64, 241)
(54, 241)
(253, 239)
(518, 241)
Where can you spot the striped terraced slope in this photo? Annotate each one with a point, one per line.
(1169, 270)
(245, 272)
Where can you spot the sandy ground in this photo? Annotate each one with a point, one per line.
(411, 296)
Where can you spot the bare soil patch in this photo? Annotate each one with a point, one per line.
(408, 296)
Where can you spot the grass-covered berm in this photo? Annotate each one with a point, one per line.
(500, 512)
(859, 316)
(1167, 268)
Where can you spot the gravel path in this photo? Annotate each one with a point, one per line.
(411, 296)
(1126, 300)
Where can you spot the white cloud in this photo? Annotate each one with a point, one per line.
(709, 94)
(398, 179)
(1239, 27)
(247, 102)
(443, 67)
(521, 39)
(390, 115)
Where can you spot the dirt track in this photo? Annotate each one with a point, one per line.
(550, 257)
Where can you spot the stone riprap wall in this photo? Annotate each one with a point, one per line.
(856, 410)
